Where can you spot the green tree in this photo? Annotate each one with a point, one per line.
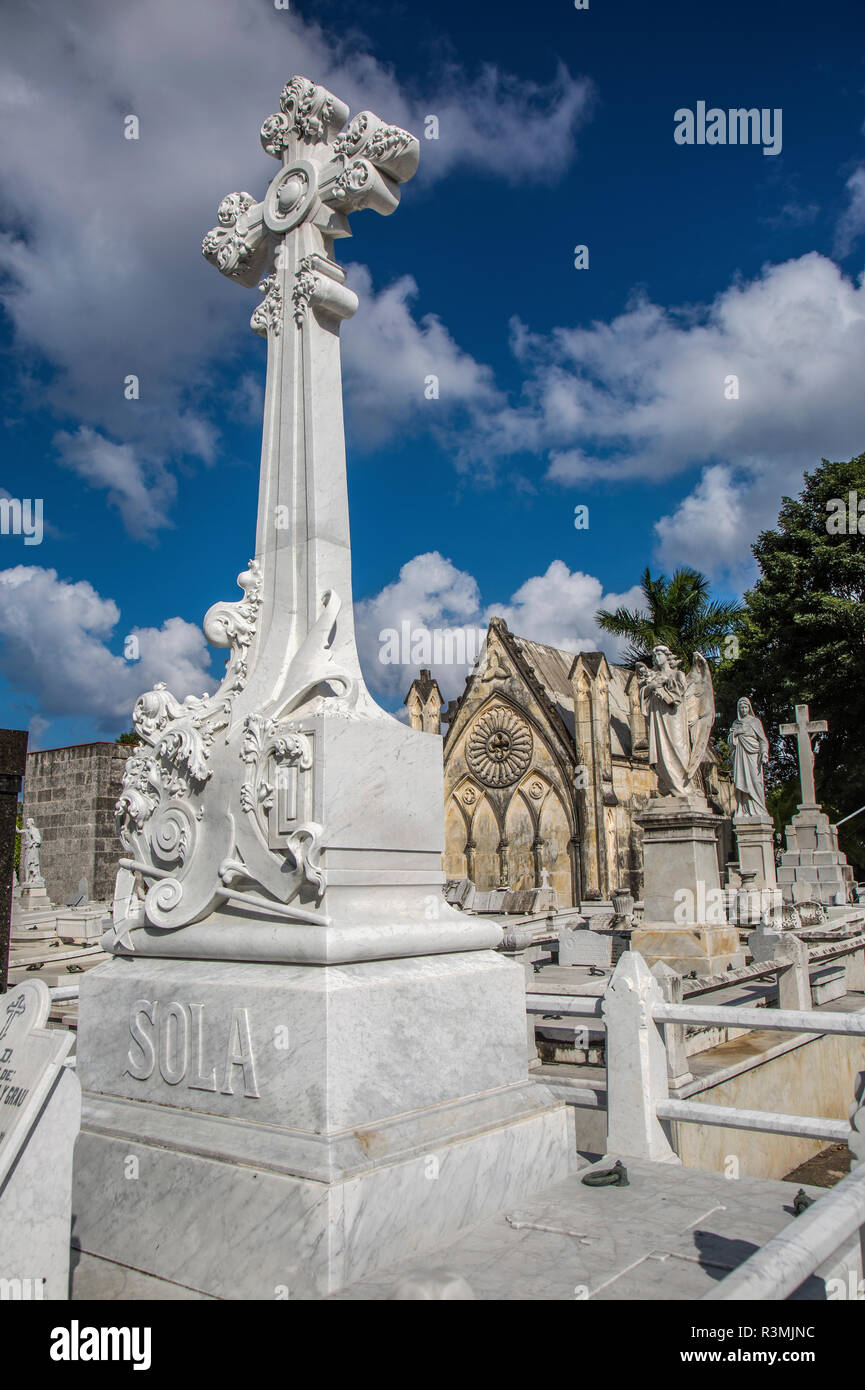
(130, 736)
(679, 613)
(802, 641)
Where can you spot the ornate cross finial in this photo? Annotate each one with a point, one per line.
(327, 173)
(802, 731)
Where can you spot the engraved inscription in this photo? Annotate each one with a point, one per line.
(176, 1038)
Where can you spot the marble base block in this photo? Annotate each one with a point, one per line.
(708, 950)
(755, 837)
(297, 1127)
(685, 917)
(814, 857)
(33, 897)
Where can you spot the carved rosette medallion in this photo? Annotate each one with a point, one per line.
(499, 747)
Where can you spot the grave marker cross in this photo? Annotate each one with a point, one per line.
(285, 243)
(802, 731)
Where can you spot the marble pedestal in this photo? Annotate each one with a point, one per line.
(755, 836)
(267, 1130)
(33, 896)
(684, 917)
(813, 857)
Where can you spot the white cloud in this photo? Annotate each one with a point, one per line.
(558, 608)
(432, 594)
(851, 223)
(141, 494)
(389, 356)
(646, 396)
(710, 528)
(54, 647)
(103, 272)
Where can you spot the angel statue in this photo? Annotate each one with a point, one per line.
(749, 750)
(679, 710)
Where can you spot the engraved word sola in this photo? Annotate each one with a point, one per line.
(174, 1037)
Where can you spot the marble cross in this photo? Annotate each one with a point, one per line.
(329, 170)
(802, 731)
(225, 804)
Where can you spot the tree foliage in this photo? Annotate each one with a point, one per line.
(679, 613)
(802, 641)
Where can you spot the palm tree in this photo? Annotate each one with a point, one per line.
(679, 614)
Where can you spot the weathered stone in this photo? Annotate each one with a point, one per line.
(13, 758)
(72, 793)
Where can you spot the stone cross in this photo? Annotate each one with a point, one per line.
(802, 731)
(284, 245)
(13, 761)
(252, 805)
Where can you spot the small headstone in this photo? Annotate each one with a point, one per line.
(585, 947)
(40, 1115)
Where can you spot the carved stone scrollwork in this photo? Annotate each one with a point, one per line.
(233, 624)
(232, 245)
(160, 806)
(305, 285)
(268, 314)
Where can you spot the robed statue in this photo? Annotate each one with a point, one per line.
(679, 710)
(30, 872)
(749, 751)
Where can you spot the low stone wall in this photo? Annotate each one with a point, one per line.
(795, 1077)
(71, 794)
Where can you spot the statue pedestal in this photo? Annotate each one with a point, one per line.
(813, 857)
(684, 917)
(33, 895)
(755, 836)
(297, 1127)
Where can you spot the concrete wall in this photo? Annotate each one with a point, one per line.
(71, 794)
(811, 1078)
(791, 1076)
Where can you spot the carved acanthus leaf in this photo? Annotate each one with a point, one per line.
(305, 286)
(268, 314)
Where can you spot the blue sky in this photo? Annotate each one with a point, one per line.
(558, 386)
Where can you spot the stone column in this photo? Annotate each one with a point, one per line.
(13, 764)
(684, 916)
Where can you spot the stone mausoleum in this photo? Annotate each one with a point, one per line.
(71, 794)
(546, 761)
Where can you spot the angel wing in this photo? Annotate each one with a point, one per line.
(700, 709)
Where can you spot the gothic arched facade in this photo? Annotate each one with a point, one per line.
(546, 762)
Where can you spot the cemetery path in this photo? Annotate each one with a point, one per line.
(671, 1235)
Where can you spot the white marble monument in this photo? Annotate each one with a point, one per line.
(40, 1110)
(755, 831)
(318, 1063)
(32, 891)
(812, 866)
(684, 917)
